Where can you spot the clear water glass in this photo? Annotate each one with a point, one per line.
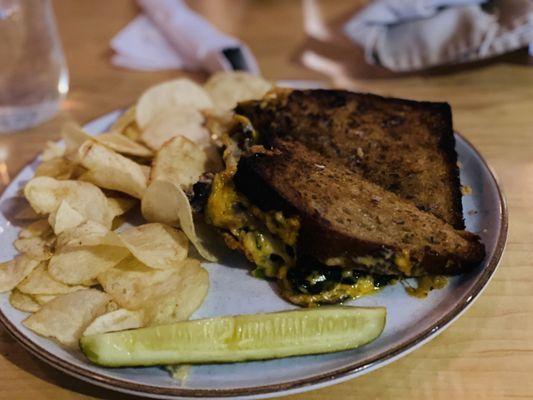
(33, 72)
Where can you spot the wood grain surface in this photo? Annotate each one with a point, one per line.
(488, 352)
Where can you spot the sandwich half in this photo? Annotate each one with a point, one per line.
(322, 228)
(404, 146)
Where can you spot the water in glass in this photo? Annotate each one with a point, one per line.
(33, 73)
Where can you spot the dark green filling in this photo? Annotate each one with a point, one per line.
(312, 277)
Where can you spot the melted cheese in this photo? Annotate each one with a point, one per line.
(259, 247)
(426, 284)
(260, 235)
(222, 208)
(362, 287)
(403, 262)
(286, 228)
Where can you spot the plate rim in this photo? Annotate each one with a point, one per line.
(298, 385)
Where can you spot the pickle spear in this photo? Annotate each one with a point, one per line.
(238, 338)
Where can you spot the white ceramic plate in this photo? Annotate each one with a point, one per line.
(410, 323)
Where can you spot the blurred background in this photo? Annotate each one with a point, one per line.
(471, 54)
(305, 40)
(309, 40)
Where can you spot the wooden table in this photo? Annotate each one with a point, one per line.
(488, 353)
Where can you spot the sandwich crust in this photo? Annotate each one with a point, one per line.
(404, 146)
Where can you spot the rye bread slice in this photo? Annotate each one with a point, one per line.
(404, 146)
(343, 215)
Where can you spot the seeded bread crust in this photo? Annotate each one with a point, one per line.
(404, 146)
(343, 214)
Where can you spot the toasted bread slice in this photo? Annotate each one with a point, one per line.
(347, 220)
(403, 146)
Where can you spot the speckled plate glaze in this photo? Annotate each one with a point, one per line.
(411, 322)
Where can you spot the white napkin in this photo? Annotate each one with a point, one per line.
(170, 35)
(406, 35)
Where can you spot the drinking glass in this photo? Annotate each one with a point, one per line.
(33, 72)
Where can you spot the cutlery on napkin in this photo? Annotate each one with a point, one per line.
(169, 35)
(407, 35)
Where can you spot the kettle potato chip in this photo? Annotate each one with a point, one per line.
(73, 136)
(52, 150)
(80, 265)
(23, 302)
(111, 170)
(46, 194)
(179, 161)
(40, 227)
(40, 282)
(166, 202)
(14, 271)
(130, 283)
(64, 218)
(122, 144)
(165, 125)
(120, 205)
(89, 233)
(58, 168)
(117, 320)
(227, 88)
(44, 298)
(178, 296)
(66, 317)
(126, 125)
(171, 95)
(156, 245)
(37, 247)
(164, 295)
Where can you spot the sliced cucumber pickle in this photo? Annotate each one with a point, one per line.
(239, 338)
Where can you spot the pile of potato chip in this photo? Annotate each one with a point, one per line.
(81, 269)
